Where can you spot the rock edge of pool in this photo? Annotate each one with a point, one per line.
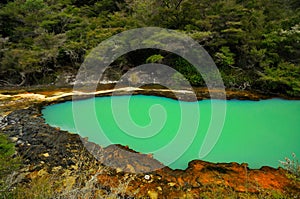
(48, 151)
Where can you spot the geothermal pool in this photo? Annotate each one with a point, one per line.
(260, 133)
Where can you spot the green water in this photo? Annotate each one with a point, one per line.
(259, 133)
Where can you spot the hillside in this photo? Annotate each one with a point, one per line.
(255, 44)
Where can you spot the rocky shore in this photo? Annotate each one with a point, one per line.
(47, 151)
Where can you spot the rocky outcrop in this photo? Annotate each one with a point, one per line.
(47, 150)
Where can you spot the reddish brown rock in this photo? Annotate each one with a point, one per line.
(201, 175)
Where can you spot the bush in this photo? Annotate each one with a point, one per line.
(8, 165)
(292, 165)
(154, 59)
(188, 71)
(283, 78)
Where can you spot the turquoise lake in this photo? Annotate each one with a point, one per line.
(260, 133)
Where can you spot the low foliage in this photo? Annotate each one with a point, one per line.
(293, 166)
(8, 166)
(154, 58)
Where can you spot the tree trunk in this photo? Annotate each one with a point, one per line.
(23, 75)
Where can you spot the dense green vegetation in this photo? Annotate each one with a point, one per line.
(8, 165)
(255, 44)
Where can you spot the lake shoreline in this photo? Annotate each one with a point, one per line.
(107, 89)
(21, 112)
(14, 98)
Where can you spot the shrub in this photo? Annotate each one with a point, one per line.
(292, 165)
(8, 165)
(154, 59)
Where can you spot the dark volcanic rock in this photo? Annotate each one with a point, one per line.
(39, 138)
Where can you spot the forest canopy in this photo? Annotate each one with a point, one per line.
(255, 44)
